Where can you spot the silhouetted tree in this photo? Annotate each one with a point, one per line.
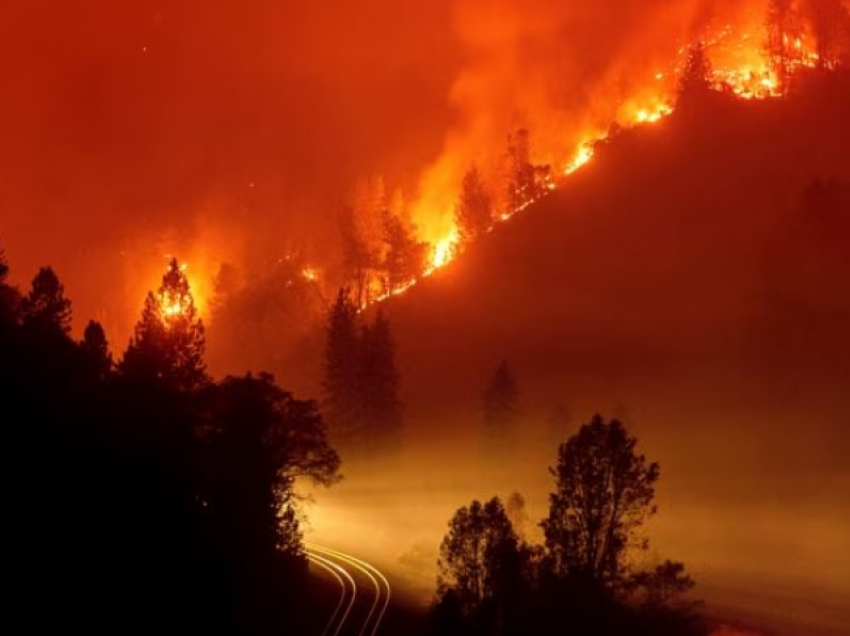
(526, 181)
(474, 209)
(697, 74)
(405, 257)
(168, 343)
(341, 382)
(265, 440)
(501, 404)
(664, 586)
(362, 234)
(95, 350)
(480, 566)
(605, 493)
(45, 306)
(830, 21)
(784, 38)
(9, 297)
(380, 407)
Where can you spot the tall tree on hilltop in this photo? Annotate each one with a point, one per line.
(405, 256)
(9, 297)
(474, 209)
(362, 237)
(501, 405)
(830, 22)
(380, 406)
(604, 495)
(4, 266)
(95, 350)
(784, 38)
(341, 373)
(168, 342)
(696, 76)
(45, 306)
(526, 182)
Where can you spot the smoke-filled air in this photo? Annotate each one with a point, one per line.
(481, 317)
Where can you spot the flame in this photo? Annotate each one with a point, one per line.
(445, 250)
(740, 65)
(310, 274)
(582, 157)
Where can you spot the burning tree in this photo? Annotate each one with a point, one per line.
(830, 22)
(697, 74)
(168, 343)
(784, 39)
(474, 209)
(527, 181)
(406, 256)
(362, 233)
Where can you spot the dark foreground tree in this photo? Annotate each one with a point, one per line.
(262, 441)
(9, 297)
(604, 495)
(480, 567)
(45, 307)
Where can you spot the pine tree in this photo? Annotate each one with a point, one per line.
(168, 342)
(9, 297)
(45, 306)
(95, 349)
(4, 266)
(362, 237)
(341, 379)
(405, 255)
(474, 210)
(784, 39)
(501, 404)
(696, 76)
(379, 386)
(527, 182)
(830, 22)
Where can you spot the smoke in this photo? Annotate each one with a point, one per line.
(134, 131)
(566, 71)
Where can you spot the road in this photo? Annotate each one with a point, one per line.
(364, 592)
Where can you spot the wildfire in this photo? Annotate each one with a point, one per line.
(740, 64)
(310, 274)
(445, 250)
(174, 298)
(582, 157)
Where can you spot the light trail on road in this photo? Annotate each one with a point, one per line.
(342, 575)
(370, 572)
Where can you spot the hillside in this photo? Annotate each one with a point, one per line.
(684, 280)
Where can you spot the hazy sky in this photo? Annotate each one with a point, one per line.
(132, 130)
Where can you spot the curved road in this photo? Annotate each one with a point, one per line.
(360, 608)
